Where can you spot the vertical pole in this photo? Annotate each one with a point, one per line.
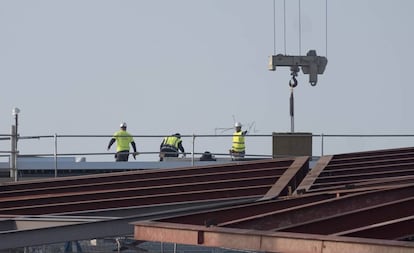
(55, 155)
(192, 152)
(322, 144)
(13, 153)
(292, 113)
(16, 151)
(16, 118)
(14, 138)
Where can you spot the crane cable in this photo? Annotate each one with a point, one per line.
(284, 23)
(326, 28)
(300, 27)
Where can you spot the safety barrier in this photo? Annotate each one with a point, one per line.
(85, 147)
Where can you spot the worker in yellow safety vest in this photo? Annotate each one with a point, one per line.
(238, 149)
(123, 139)
(170, 146)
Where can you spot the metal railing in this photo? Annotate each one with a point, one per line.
(258, 146)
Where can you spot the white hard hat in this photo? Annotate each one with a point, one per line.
(123, 125)
(237, 124)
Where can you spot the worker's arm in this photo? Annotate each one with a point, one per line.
(111, 142)
(181, 148)
(134, 146)
(244, 132)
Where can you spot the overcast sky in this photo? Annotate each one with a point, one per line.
(83, 67)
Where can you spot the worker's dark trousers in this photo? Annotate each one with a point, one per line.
(122, 156)
(168, 152)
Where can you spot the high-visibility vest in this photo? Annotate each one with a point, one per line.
(238, 142)
(171, 142)
(123, 139)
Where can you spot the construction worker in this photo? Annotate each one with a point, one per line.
(238, 149)
(123, 139)
(170, 146)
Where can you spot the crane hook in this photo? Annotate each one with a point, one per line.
(293, 72)
(293, 82)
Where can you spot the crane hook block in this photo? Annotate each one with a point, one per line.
(311, 64)
(293, 82)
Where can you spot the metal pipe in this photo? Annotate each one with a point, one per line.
(13, 154)
(292, 113)
(55, 156)
(192, 152)
(322, 144)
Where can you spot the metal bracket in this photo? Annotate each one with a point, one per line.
(311, 64)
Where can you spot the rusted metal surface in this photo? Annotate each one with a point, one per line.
(362, 217)
(156, 193)
(290, 180)
(369, 194)
(363, 169)
(397, 229)
(366, 194)
(125, 180)
(263, 241)
(300, 213)
(243, 180)
(313, 174)
(227, 216)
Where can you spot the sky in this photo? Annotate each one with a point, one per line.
(83, 67)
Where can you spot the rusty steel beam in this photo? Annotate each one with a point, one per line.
(12, 236)
(148, 191)
(375, 154)
(368, 216)
(396, 181)
(153, 182)
(371, 169)
(262, 241)
(397, 229)
(351, 180)
(146, 174)
(254, 179)
(360, 169)
(235, 213)
(319, 210)
(97, 204)
(282, 213)
(313, 174)
(374, 184)
(368, 162)
(290, 179)
(369, 173)
(149, 178)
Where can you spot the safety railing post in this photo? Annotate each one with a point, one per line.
(13, 155)
(192, 152)
(322, 144)
(55, 155)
